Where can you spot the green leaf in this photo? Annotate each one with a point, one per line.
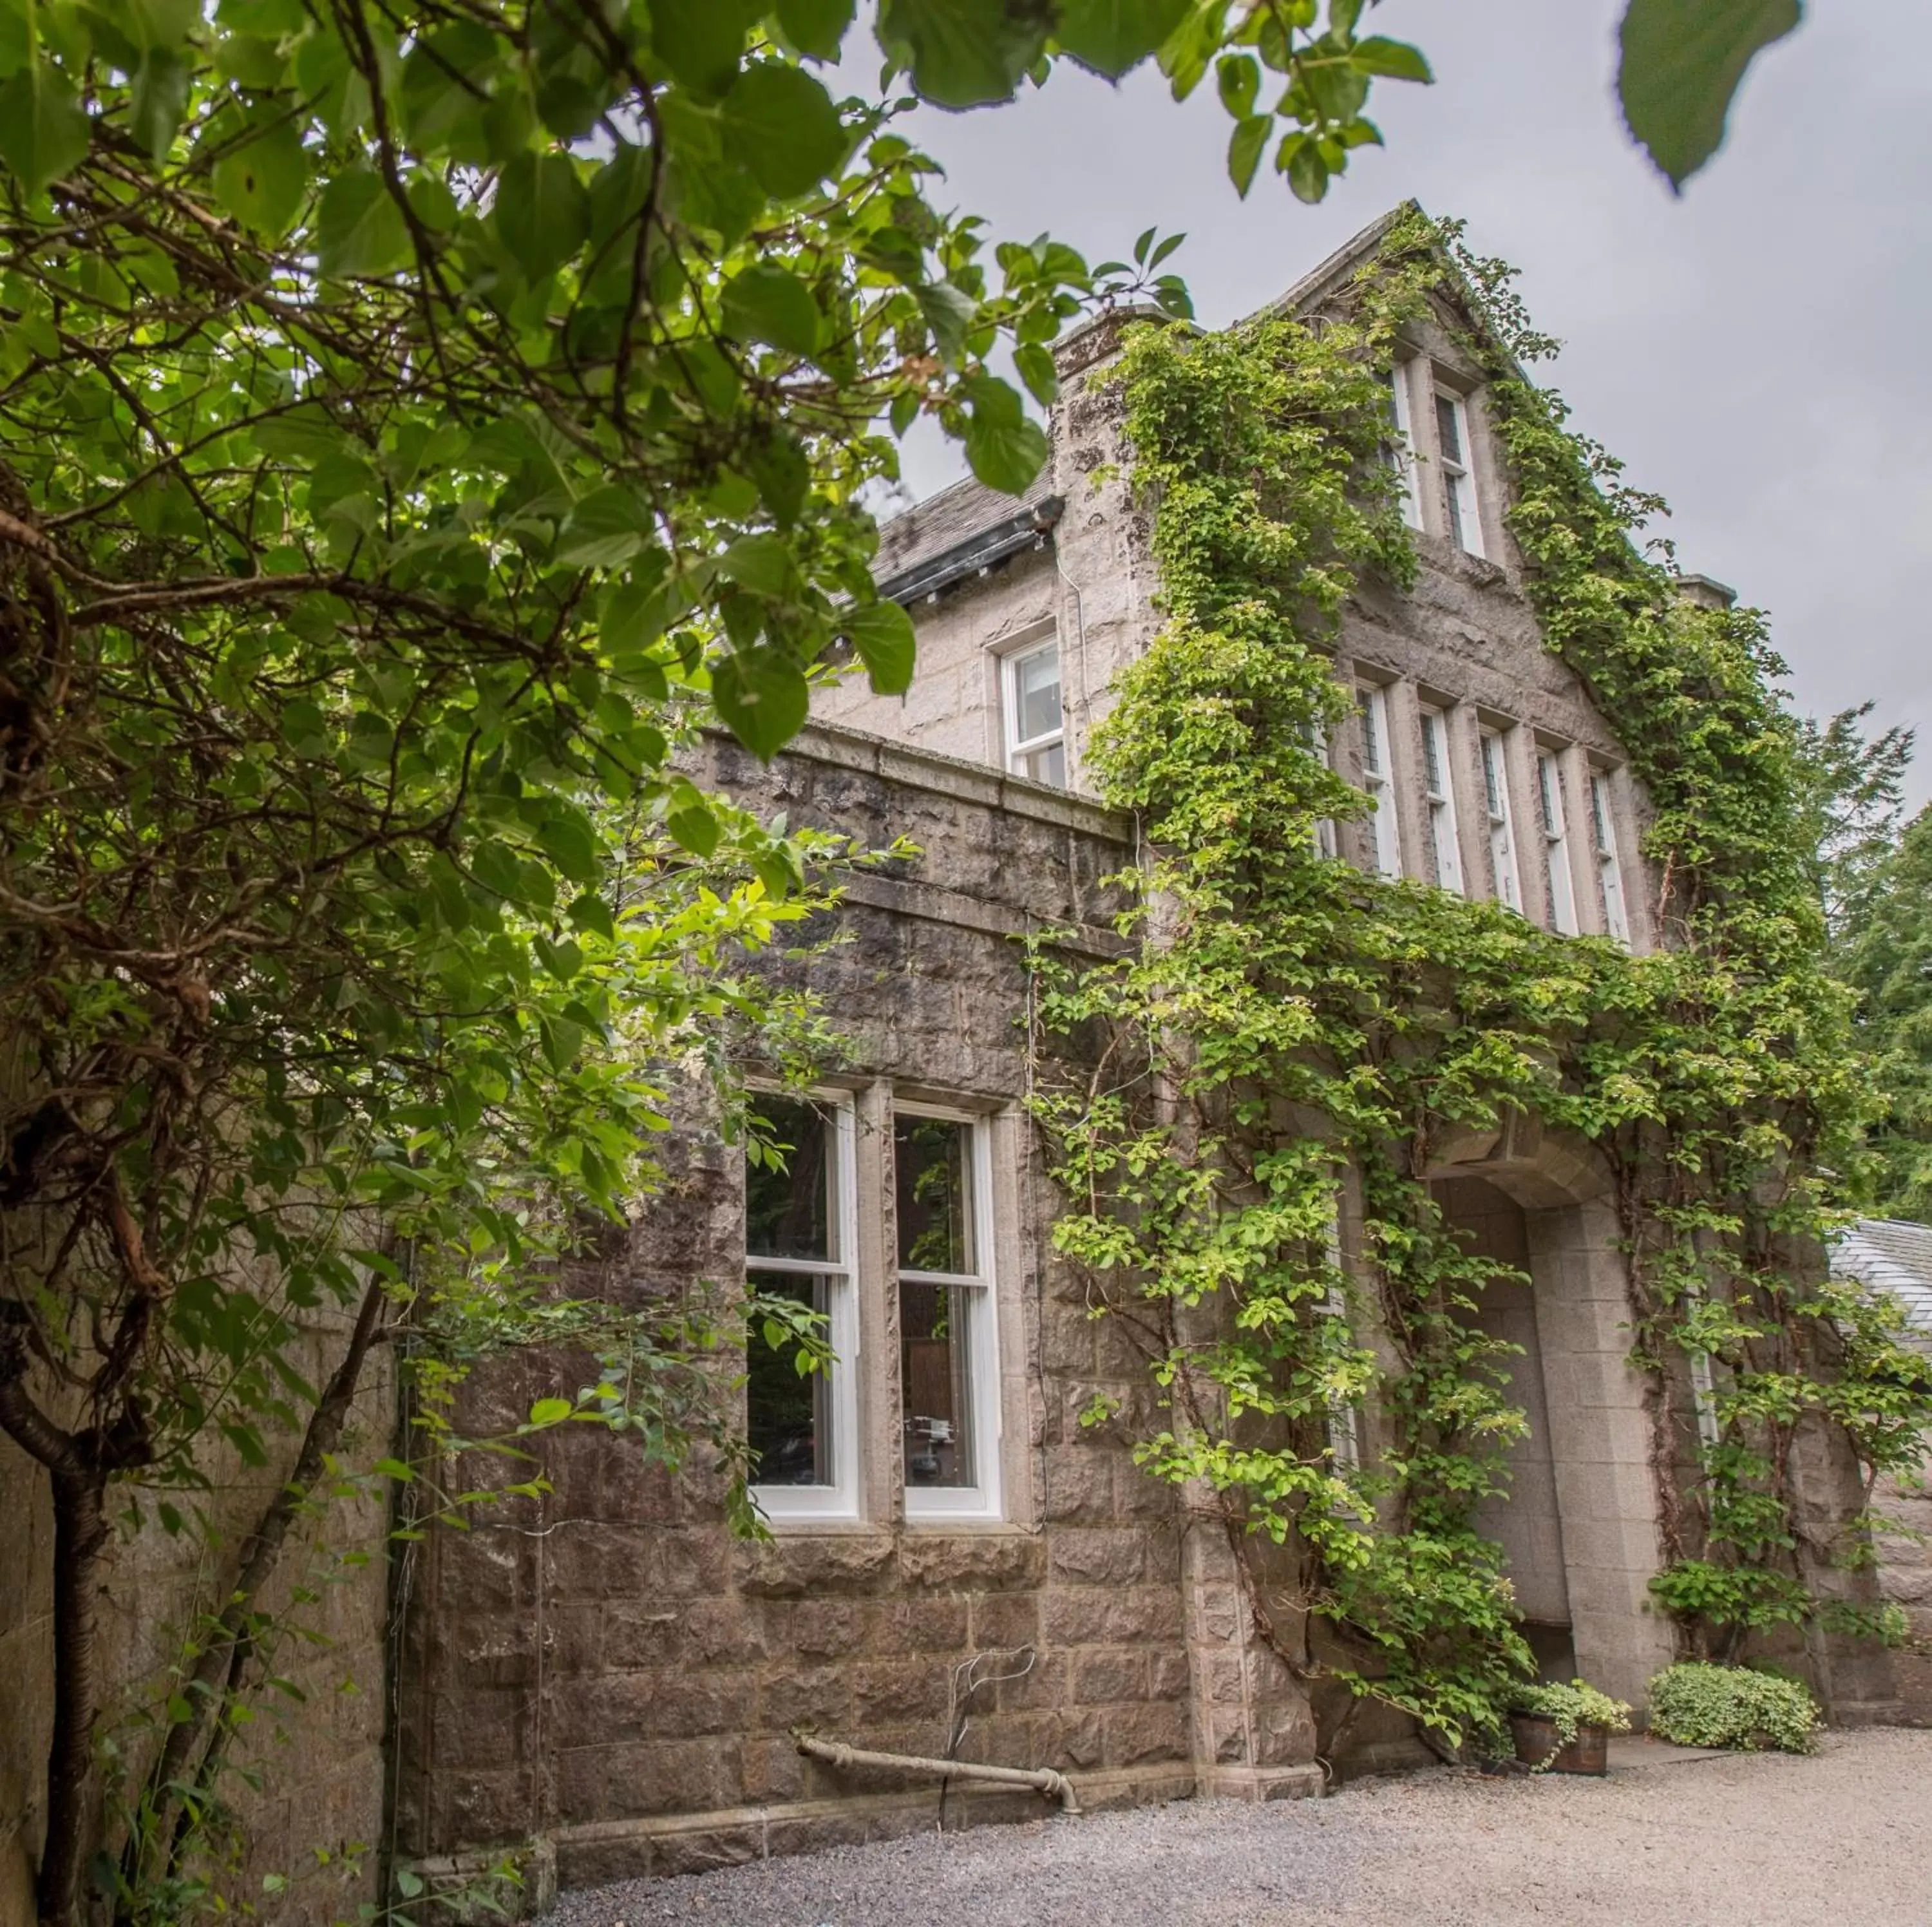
(949, 312)
(542, 212)
(1003, 448)
(1683, 61)
(1237, 76)
(160, 98)
(692, 823)
(1034, 365)
(43, 133)
(701, 41)
(572, 844)
(1393, 60)
(263, 182)
(760, 563)
(1246, 146)
(883, 633)
(762, 696)
(359, 230)
(1111, 36)
(605, 529)
(817, 27)
(1299, 156)
(770, 304)
(781, 124)
(404, 1474)
(551, 1411)
(962, 53)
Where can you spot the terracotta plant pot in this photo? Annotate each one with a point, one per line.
(1539, 1745)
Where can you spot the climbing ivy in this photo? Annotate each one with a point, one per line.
(1288, 1040)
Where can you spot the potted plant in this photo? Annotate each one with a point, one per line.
(1561, 1729)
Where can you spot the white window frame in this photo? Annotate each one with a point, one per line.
(785, 1504)
(1378, 781)
(1556, 843)
(1404, 445)
(1018, 747)
(984, 1500)
(1609, 869)
(1438, 787)
(1502, 825)
(1345, 1428)
(1463, 503)
(1322, 750)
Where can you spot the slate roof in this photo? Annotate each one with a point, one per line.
(944, 520)
(1890, 1255)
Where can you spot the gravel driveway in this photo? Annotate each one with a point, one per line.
(1840, 1839)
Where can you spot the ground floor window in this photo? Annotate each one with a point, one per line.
(932, 1169)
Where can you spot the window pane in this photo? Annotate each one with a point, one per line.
(1449, 428)
(1045, 765)
(1432, 750)
(1372, 744)
(788, 1412)
(1492, 778)
(935, 1217)
(787, 1212)
(1037, 694)
(935, 1379)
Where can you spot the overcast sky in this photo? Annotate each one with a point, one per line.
(1757, 351)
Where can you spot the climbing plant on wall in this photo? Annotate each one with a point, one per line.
(1290, 1038)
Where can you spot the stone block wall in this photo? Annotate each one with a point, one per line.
(611, 1671)
(1905, 1580)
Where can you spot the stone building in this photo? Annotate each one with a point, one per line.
(605, 1680)
(612, 1674)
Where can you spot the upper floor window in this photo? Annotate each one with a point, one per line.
(1459, 482)
(1502, 828)
(1401, 447)
(1035, 728)
(1441, 799)
(800, 1208)
(1377, 778)
(1609, 872)
(1556, 844)
(949, 1355)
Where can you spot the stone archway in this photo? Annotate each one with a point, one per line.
(1587, 1537)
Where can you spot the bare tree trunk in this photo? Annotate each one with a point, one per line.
(220, 1669)
(80, 1532)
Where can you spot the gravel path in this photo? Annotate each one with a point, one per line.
(1838, 1840)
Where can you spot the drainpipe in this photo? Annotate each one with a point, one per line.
(1043, 1780)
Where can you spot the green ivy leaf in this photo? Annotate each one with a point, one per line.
(43, 133)
(817, 27)
(883, 633)
(1111, 36)
(769, 303)
(1003, 448)
(1683, 61)
(550, 1411)
(962, 53)
(542, 212)
(763, 698)
(359, 230)
(263, 182)
(781, 125)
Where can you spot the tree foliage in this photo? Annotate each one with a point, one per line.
(1291, 1038)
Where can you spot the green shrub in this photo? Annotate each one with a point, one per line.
(1731, 1706)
